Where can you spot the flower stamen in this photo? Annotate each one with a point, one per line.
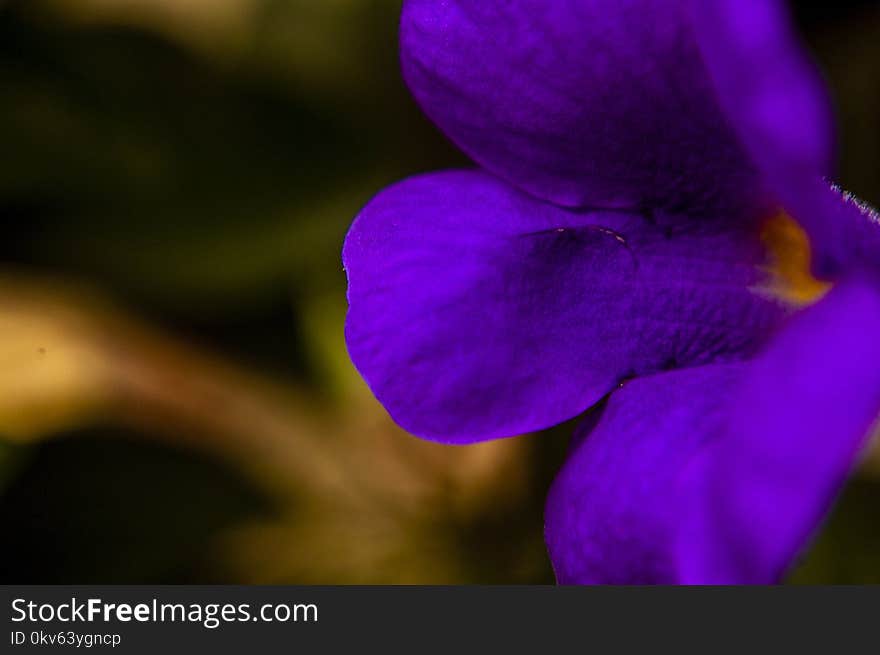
(790, 255)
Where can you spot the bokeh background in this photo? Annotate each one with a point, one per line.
(176, 402)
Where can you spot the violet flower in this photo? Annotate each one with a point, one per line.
(608, 254)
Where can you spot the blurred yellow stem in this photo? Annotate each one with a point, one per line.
(68, 358)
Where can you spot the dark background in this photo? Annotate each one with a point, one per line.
(176, 403)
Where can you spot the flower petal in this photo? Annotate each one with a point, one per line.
(580, 102)
(720, 474)
(768, 87)
(477, 311)
(611, 512)
(807, 407)
(775, 98)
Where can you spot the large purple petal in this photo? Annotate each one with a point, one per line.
(477, 311)
(580, 102)
(806, 408)
(775, 100)
(721, 473)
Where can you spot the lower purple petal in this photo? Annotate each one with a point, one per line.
(798, 424)
(611, 512)
(721, 474)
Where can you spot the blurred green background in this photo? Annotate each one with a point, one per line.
(176, 402)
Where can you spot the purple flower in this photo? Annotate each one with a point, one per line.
(607, 255)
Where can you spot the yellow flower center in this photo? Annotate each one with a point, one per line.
(789, 248)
